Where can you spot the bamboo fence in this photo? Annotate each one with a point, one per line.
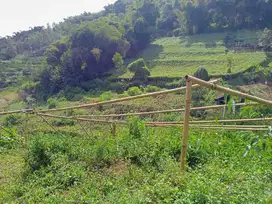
(84, 106)
(166, 111)
(191, 82)
(174, 124)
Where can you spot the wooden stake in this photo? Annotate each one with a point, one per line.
(113, 129)
(26, 130)
(186, 125)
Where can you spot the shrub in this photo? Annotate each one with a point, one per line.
(150, 89)
(177, 32)
(63, 122)
(29, 87)
(52, 103)
(11, 120)
(139, 69)
(136, 127)
(9, 138)
(202, 73)
(106, 96)
(118, 87)
(73, 93)
(42, 148)
(134, 91)
(175, 84)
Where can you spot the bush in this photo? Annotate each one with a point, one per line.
(52, 103)
(175, 84)
(11, 120)
(202, 73)
(136, 127)
(73, 93)
(134, 91)
(9, 138)
(139, 69)
(42, 148)
(106, 96)
(29, 87)
(63, 122)
(150, 89)
(177, 32)
(118, 87)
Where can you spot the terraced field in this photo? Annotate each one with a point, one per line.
(178, 56)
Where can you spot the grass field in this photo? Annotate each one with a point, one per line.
(139, 165)
(178, 56)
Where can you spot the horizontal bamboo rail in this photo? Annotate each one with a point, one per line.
(167, 111)
(220, 121)
(228, 91)
(16, 111)
(166, 124)
(122, 99)
(253, 128)
(82, 119)
(234, 120)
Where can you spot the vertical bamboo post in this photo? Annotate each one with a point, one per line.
(186, 125)
(26, 129)
(113, 129)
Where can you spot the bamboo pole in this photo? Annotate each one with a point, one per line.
(26, 129)
(158, 123)
(228, 91)
(16, 111)
(82, 127)
(166, 111)
(122, 99)
(216, 121)
(42, 117)
(205, 126)
(170, 124)
(186, 125)
(113, 129)
(81, 119)
(232, 120)
(212, 128)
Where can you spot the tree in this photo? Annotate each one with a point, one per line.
(118, 60)
(139, 68)
(266, 39)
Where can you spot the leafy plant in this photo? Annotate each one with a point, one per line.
(139, 69)
(106, 96)
(52, 103)
(151, 89)
(134, 91)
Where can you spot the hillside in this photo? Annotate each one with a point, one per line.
(178, 56)
(88, 47)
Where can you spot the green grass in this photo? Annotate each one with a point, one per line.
(178, 56)
(141, 166)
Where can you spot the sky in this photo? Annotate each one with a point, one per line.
(16, 15)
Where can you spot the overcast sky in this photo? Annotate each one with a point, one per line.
(18, 15)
